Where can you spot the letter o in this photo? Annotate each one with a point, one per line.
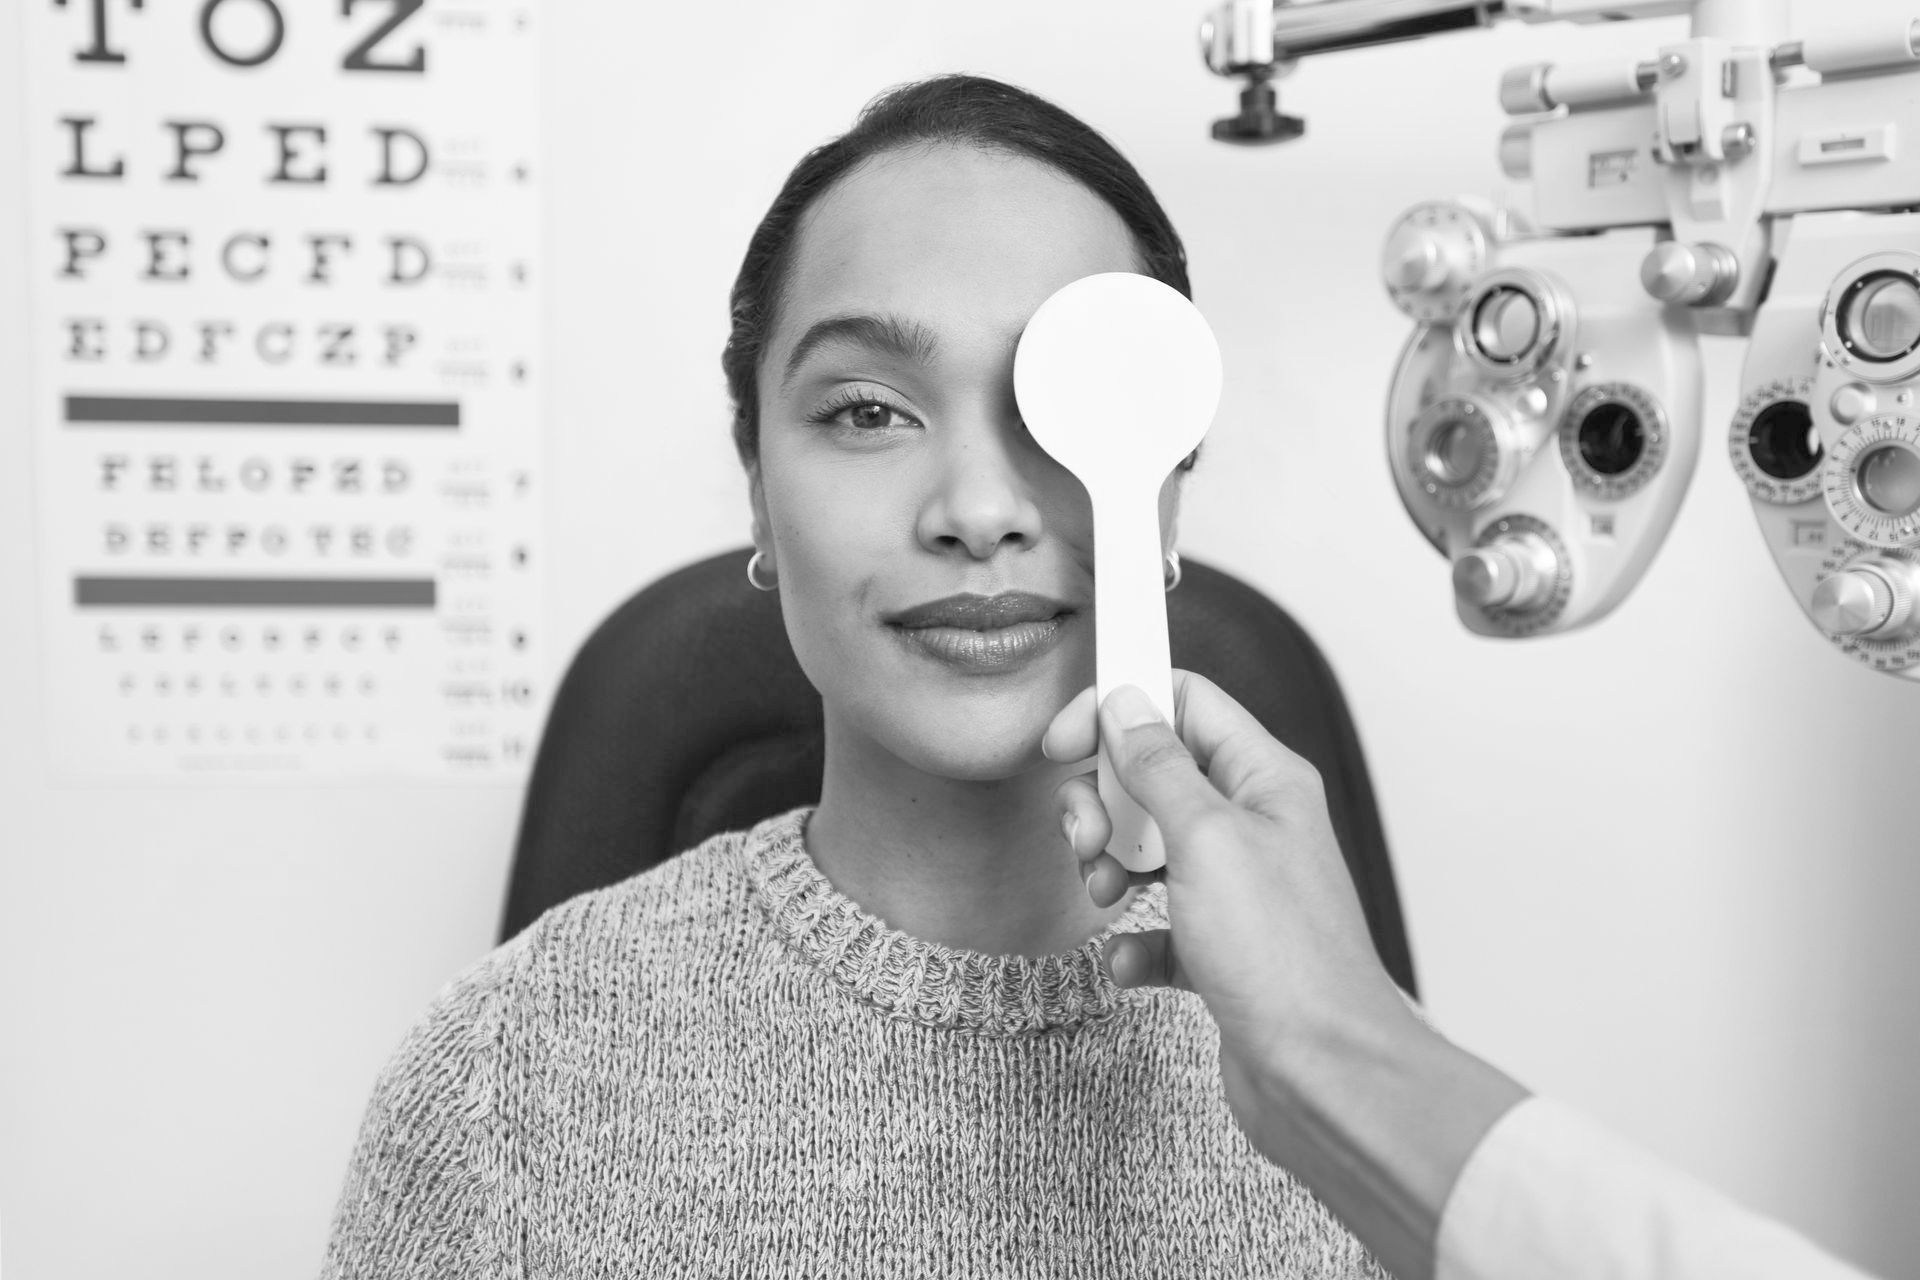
(271, 47)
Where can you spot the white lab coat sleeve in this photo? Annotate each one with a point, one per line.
(1549, 1193)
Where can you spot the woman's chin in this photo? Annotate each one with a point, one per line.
(972, 730)
(987, 768)
(973, 749)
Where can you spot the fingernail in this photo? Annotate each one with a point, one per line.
(1088, 882)
(1132, 707)
(1069, 824)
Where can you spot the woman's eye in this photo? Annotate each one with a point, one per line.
(871, 415)
(858, 414)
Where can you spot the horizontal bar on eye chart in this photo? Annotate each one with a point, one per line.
(256, 593)
(204, 412)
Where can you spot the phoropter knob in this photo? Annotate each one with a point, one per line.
(1699, 275)
(1870, 598)
(1515, 573)
(1432, 255)
(1420, 259)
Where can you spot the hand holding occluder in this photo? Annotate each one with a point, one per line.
(1267, 928)
(1325, 1066)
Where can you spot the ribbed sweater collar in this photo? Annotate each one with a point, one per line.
(920, 981)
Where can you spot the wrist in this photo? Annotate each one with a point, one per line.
(1358, 1043)
(1377, 1113)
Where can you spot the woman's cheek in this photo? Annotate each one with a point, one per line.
(813, 550)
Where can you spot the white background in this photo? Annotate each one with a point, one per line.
(1662, 869)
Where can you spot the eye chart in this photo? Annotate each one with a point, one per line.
(284, 313)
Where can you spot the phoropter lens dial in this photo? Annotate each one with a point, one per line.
(1870, 321)
(1888, 479)
(1613, 438)
(1506, 325)
(1462, 452)
(1872, 481)
(1512, 321)
(1879, 318)
(1865, 602)
(1774, 445)
(1517, 576)
(1432, 255)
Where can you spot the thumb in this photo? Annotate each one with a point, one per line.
(1153, 764)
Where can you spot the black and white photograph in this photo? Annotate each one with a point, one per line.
(1240, 638)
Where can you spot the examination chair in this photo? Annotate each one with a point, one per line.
(685, 714)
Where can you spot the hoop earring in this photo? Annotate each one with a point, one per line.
(754, 564)
(1172, 575)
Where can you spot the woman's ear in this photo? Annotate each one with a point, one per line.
(1170, 510)
(762, 528)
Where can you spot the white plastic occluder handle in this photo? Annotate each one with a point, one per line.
(1132, 647)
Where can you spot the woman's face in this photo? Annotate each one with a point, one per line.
(935, 564)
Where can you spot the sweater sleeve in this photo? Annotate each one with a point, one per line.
(426, 1192)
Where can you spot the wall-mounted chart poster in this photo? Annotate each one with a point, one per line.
(284, 315)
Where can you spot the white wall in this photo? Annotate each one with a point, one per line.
(1662, 869)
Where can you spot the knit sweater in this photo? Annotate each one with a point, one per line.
(725, 1067)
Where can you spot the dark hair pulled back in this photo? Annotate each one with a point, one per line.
(946, 109)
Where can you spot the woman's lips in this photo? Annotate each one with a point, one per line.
(989, 650)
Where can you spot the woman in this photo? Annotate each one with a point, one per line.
(871, 1037)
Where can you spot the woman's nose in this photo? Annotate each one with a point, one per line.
(983, 495)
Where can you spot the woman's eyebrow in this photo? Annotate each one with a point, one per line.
(891, 335)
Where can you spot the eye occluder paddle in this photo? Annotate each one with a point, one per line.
(1118, 376)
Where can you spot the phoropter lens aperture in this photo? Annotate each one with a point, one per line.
(1456, 453)
(1782, 440)
(1506, 325)
(1611, 438)
(1888, 478)
(1879, 316)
